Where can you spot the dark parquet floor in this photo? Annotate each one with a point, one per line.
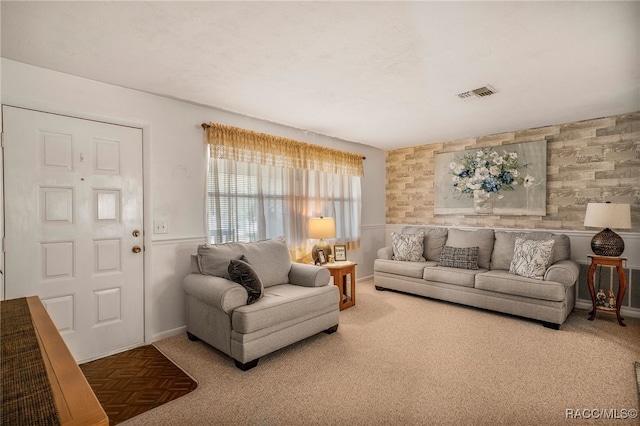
(135, 381)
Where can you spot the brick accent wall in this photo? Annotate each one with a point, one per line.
(587, 161)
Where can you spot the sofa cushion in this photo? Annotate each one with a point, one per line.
(214, 259)
(481, 238)
(500, 281)
(408, 247)
(282, 303)
(457, 257)
(405, 269)
(505, 242)
(434, 240)
(241, 272)
(455, 276)
(531, 258)
(270, 259)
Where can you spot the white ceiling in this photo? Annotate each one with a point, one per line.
(384, 74)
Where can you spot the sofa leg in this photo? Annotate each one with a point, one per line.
(247, 365)
(379, 288)
(551, 325)
(192, 337)
(332, 329)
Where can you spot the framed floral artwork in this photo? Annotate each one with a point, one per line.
(500, 180)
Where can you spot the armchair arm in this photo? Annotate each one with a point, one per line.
(385, 253)
(308, 275)
(563, 271)
(218, 292)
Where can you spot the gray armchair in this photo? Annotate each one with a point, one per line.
(297, 301)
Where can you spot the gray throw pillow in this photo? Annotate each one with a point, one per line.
(459, 257)
(241, 272)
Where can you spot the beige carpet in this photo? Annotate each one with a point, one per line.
(401, 359)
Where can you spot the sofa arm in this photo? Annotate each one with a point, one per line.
(308, 275)
(217, 292)
(563, 271)
(385, 253)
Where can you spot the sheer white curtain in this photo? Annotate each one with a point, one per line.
(251, 201)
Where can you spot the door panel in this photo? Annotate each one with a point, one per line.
(73, 197)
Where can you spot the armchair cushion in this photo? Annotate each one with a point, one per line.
(270, 259)
(284, 304)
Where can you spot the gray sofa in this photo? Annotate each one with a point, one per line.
(297, 301)
(549, 299)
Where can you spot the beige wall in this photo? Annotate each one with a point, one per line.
(587, 161)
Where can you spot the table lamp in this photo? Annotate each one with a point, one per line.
(320, 228)
(607, 215)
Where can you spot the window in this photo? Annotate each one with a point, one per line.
(259, 199)
(250, 202)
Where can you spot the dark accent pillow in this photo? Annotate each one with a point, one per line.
(241, 272)
(458, 257)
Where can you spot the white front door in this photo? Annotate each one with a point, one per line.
(73, 226)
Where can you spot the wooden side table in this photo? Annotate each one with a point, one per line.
(340, 272)
(607, 261)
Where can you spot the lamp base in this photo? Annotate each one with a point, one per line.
(322, 245)
(607, 243)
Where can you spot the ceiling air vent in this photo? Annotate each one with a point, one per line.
(480, 92)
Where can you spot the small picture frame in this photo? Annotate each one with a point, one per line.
(340, 252)
(322, 259)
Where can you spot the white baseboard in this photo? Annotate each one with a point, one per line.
(168, 333)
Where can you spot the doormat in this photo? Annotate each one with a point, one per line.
(135, 381)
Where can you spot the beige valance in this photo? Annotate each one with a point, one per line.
(234, 143)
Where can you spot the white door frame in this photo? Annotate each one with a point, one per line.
(146, 176)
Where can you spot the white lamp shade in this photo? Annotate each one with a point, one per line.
(608, 215)
(322, 227)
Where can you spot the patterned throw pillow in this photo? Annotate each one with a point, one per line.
(459, 257)
(241, 272)
(408, 247)
(531, 258)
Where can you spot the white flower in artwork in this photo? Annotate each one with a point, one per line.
(479, 154)
(453, 165)
(513, 155)
(494, 170)
(528, 180)
(473, 185)
(482, 172)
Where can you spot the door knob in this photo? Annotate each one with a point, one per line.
(136, 233)
(136, 249)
